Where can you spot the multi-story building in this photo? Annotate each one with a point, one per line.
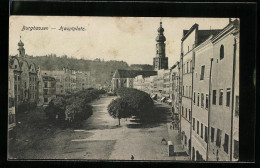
(143, 83)
(224, 92)
(125, 78)
(209, 83)
(11, 100)
(166, 84)
(82, 80)
(73, 84)
(174, 92)
(200, 106)
(49, 89)
(138, 82)
(191, 39)
(25, 77)
(40, 88)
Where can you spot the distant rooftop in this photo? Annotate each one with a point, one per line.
(122, 73)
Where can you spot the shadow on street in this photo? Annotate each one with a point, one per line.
(160, 116)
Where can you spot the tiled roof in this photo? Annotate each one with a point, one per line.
(122, 73)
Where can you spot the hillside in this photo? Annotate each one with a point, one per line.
(101, 71)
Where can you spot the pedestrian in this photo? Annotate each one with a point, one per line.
(132, 157)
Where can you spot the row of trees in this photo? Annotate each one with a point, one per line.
(72, 108)
(131, 102)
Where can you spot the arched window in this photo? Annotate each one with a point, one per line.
(221, 52)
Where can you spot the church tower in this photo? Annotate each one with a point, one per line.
(21, 49)
(160, 61)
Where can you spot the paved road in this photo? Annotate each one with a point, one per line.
(101, 138)
(131, 138)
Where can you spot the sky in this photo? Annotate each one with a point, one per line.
(130, 39)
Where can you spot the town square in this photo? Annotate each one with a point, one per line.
(139, 88)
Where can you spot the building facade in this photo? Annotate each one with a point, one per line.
(125, 78)
(49, 89)
(224, 109)
(25, 76)
(200, 106)
(175, 94)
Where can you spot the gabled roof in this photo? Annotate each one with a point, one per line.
(122, 73)
(202, 34)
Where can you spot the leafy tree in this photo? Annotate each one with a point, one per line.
(119, 108)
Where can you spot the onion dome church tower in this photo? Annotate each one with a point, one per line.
(160, 61)
(21, 49)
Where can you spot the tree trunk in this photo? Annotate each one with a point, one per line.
(118, 121)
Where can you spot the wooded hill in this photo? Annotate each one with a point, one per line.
(101, 71)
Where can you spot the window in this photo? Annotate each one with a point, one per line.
(198, 102)
(202, 72)
(212, 134)
(218, 140)
(220, 96)
(45, 84)
(221, 52)
(236, 149)
(186, 113)
(207, 101)
(237, 106)
(183, 90)
(190, 93)
(187, 67)
(24, 84)
(193, 122)
(228, 98)
(194, 97)
(198, 127)
(185, 140)
(189, 115)
(182, 110)
(225, 145)
(187, 90)
(190, 66)
(45, 92)
(202, 99)
(201, 134)
(45, 100)
(214, 97)
(206, 134)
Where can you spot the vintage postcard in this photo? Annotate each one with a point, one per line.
(123, 88)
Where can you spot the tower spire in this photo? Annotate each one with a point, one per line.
(21, 50)
(160, 60)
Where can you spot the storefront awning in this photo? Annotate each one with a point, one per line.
(163, 98)
(154, 96)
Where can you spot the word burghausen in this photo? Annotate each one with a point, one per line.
(72, 28)
(76, 28)
(34, 28)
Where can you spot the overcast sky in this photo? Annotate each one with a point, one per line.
(131, 39)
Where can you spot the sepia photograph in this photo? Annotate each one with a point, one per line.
(123, 88)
